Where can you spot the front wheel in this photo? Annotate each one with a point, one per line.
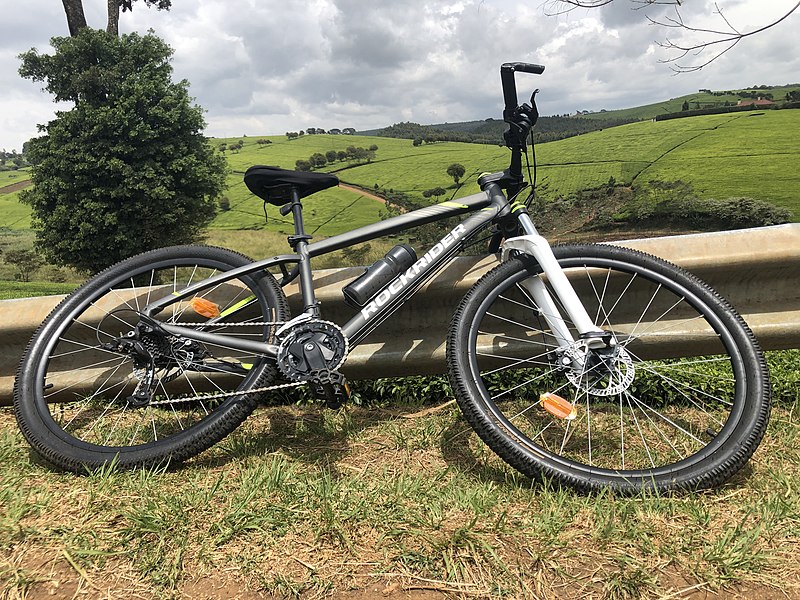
(96, 386)
(679, 398)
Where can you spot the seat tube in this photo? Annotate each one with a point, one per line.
(299, 242)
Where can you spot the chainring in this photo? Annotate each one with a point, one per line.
(310, 347)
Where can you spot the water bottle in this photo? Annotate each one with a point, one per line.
(357, 293)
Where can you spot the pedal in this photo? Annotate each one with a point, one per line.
(331, 387)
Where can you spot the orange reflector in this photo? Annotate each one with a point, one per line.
(204, 307)
(558, 407)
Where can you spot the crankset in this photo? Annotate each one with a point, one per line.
(312, 351)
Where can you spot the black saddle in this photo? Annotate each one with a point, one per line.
(274, 184)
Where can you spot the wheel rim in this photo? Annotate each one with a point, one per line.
(85, 399)
(635, 415)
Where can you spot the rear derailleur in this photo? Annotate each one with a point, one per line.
(152, 349)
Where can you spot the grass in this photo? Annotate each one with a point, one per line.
(675, 105)
(305, 502)
(13, 214)
(11, 177)
(29, 289)
(744, 154)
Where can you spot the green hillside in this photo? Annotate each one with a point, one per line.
(742, 154)
(701, 99)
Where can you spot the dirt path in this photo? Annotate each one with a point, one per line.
(15, 187)
(361, 191)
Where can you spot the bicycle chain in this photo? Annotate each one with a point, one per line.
(227, 324)
(234, 393)
(229, 394)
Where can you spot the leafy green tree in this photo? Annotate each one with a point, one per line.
(302, 165)
(317, 160)
(26, 262)
(331, 156)
(126, 169)
(435, 192)
(456, 171)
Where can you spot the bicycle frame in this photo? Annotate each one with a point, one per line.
(486, 206)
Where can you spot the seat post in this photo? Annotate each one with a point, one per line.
(299, 243)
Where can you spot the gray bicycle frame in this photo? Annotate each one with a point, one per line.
(486, 206)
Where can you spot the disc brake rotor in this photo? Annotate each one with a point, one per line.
(604, 375)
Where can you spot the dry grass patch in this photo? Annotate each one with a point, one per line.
(309, 503)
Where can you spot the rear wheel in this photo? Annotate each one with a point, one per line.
(680, 399)
(94, 386)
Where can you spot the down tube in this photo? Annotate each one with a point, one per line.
(405, 285)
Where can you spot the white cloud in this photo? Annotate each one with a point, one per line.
(270, 66)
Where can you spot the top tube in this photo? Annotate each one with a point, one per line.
(421, 216)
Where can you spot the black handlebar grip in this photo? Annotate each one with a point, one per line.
(524, 67)
(507, 71)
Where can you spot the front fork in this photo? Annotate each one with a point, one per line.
(591, 336)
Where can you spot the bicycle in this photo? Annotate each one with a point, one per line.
(555, 356)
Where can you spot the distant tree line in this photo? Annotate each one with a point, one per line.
(319, 131)
(351, 153)
(11, 161)
(491, 131)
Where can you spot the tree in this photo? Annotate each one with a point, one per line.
(718, 41)
(317, 160)
(76, 19)
(126, 169)
(331, 155)
(456, 171)
(437, 191)
(302, 165)
(25, 261)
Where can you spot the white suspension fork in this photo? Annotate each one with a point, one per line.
(535, 245)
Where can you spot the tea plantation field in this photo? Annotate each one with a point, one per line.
(744, 154)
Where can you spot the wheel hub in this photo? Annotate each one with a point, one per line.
(606, 372)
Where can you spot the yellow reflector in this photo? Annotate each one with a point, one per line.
(558, 407)
(204, 307)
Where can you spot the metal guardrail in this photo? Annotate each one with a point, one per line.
(758, 270)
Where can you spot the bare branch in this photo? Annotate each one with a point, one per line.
(717, 41)
(726, 39)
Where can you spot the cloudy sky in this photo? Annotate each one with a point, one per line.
(269, 66)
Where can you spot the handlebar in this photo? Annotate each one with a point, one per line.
(507, 71)
(520, 118)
